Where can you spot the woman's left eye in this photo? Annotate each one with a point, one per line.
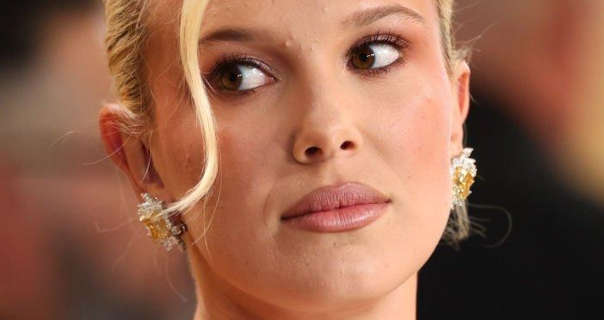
(374, 56)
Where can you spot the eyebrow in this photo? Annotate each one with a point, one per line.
(369, 16)
(360, 18)
(231, 34)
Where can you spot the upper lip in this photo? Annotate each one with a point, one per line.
(334, 197)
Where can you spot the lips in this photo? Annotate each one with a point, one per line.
(335, 197)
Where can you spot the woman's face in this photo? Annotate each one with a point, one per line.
(308, 94)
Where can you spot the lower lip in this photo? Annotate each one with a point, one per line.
(339, 220)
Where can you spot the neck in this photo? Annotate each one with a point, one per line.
(217, 300)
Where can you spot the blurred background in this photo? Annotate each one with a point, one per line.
(70, 247)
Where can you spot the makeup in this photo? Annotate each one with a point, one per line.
(337, 208)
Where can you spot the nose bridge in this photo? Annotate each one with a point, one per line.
(326, 126)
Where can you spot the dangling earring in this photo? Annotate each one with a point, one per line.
(463, 171)
(160, 227)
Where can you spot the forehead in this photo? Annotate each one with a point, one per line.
(286, 16)
(300, 14)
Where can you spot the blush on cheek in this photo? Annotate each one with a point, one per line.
(426, 121)
(425, 145)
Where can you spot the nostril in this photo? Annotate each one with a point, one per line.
(312, 151)
(346, 145)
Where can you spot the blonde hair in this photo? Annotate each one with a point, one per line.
(125, 39)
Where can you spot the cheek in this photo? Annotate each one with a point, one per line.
(247, 174)
(238, 199)
(414, 142)
(245, 167)
(179, 154)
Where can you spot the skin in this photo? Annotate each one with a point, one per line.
(403, 127)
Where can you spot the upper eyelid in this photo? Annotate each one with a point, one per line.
(239, 59)
(385, 37)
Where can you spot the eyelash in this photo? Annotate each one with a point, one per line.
(398, 42)
(229, 59)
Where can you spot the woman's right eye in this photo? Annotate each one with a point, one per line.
(239, 77)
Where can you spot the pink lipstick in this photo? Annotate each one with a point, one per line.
(337, 208)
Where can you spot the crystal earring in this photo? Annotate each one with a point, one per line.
(463, 171)
(160, 227)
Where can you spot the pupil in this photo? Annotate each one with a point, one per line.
(364, 58)
(232, 78)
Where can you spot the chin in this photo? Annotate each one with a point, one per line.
(350, 276)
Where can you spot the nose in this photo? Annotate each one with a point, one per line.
(325, 113)
(322, 139)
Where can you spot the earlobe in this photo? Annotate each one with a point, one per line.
(128, 152)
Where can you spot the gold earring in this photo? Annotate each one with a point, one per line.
(160, 227)
(463, 171)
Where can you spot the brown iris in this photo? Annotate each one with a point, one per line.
(363, 57)
(231, 78)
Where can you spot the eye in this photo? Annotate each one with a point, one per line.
(238, 76)
(374, 56)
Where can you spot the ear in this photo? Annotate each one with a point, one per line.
(129, 152)
(461, 94)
